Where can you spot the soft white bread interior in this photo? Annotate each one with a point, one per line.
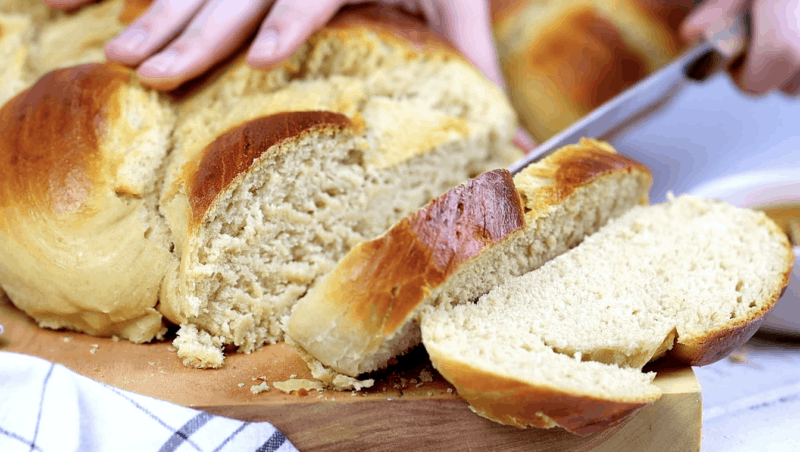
(563, 345)
(16, 32)
(419, 120)
(82, 245)
(410, 117)
(364, 312)
(35, 39)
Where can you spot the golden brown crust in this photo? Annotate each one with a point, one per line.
(575, 166)
(669, 14)
(521, 404)
(371, 294)
(718, 344)
(502, 10)
(49, 154)
(424, 249)
(232, 154)
(584, 53)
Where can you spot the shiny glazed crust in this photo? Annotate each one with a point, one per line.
(564, 58)
(372, 295)
(74, 251)
(375, 288)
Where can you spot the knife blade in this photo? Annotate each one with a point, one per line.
(651, 93)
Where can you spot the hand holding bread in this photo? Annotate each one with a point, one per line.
(177, 40)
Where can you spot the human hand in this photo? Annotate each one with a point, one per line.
(772, 60)
(177, 40)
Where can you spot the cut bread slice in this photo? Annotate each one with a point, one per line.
(414, 119)
(691, 275)
(469, 240)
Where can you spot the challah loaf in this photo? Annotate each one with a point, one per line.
(563, 345)
(564, 58)
(82, 245)
(474, 237)
(235, 193)
(422, 120)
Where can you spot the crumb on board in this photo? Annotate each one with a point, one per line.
(115, 338)
(293, 376)
(737, 357)
(298, 385)
(259, 388)
(449, 390)
(418, 385)
(262, 378)
(426, 376)
(94, 348)
(172, 348)
(241, 385)
(67, 339)
(152, 363)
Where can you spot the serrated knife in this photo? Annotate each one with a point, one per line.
(651, 93)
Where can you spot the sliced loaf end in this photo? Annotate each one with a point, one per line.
(457, 248)
(513, 378)
(697, 275)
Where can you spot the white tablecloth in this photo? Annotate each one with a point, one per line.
(47, 407)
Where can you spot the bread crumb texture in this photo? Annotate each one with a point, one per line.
(365, 311)
(691, 275)
(218, 205)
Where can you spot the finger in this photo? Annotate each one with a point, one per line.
(66, 4)
(162, 21)
(220, 28)
(710, 17)
(287, 27)
(467, 24)
(773, 57)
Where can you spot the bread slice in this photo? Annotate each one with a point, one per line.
(454, 250)
(411, 119)
(564, 344)
(82, 244)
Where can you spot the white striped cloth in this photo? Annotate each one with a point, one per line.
(46, 407)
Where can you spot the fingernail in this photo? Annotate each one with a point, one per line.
(266, 45)
(131, 41)
(161, 63)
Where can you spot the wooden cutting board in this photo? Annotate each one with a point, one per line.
(410, 408)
